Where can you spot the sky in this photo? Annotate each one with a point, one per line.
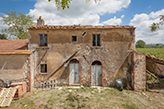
(138, 13)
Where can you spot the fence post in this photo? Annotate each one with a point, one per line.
(55, 83)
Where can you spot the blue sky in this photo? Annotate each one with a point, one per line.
(139, 13)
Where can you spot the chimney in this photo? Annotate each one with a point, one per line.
(40, 21)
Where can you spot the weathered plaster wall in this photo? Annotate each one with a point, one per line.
(15, 68)
(115, 44)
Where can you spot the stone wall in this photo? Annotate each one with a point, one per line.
(139, 72)
(115, 45)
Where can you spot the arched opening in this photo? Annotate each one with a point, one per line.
(96, 63)
(74, 71)
(74, 61)
(96, 73)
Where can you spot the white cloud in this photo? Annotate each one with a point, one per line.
(143, 32)
(2, 26)
(122, 16)
(149, 6)
(79, 12)
(114, 21)
(156, 14)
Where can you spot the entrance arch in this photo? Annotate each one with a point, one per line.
(74, 71)
(96, 73)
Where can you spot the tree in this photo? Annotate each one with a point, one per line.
(3, 36)
(158, 46)
(18, 23)
(154, 26)
(65, 3)
(140, 44)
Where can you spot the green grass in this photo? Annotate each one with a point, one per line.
(157, 52)
(129, 106)
(88, 98)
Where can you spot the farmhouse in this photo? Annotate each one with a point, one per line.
(75, 55)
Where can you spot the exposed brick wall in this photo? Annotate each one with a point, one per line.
(104, 81)
(29, 74)
(139, 72)
(22, 88)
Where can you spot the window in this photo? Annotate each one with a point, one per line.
(43, 68)
(74, 38)
(96, 40)
(43, 39)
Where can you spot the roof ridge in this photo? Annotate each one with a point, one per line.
(79, 26)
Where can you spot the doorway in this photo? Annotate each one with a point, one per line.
(74, 71)
(96, 73)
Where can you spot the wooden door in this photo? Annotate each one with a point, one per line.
(96, 75)
(74, 73)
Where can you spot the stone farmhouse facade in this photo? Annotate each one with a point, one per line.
(80, 55)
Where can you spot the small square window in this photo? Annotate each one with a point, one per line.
(74, 38)
(43, 68)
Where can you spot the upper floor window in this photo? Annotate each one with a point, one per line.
(96, 40)
(43, 39)
(74, 38)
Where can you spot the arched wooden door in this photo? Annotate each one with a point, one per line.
(96, 73)
(74, 71)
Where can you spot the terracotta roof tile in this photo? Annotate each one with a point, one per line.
(12, 45)
(78, 27)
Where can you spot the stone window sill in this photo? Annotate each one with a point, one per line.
(42, 47)
(96, 47)
(44, 73)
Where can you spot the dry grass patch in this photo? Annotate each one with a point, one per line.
(90, 98)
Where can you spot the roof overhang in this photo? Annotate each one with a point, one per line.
(16, 52)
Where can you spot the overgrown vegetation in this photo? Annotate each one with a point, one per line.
(88, 97)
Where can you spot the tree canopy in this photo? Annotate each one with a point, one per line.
(3, 36)
(154, 26)
(140, 44)
(18, 23)
(65, 3)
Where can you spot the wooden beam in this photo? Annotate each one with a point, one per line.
(156, 60)
(158, 68)
(62, 64)
(151, 74)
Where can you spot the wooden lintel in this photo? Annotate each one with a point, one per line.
(151, 74)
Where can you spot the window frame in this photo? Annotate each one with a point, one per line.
(95, 40)
(75, 38)
(44, 41)
(45, 69)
